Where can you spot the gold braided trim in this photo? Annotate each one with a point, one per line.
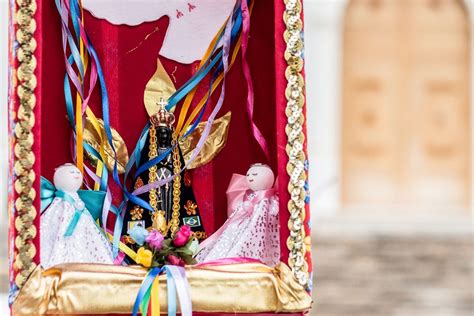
(176, 187)
(159, 219)
(152, 172)
(24, 157)
(294, 129)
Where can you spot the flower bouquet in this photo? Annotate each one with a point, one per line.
(157, 251)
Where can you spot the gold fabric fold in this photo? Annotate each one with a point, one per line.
(92, 137)
(215, 142)
(107, 289)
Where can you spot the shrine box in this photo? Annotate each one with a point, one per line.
(40, 137)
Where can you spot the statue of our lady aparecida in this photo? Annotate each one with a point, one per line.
(173, 203)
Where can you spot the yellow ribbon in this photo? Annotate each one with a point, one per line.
(100, 166)
(201, 103)
(89, 114)
(155, 297)
(79, 122)
(124, 248)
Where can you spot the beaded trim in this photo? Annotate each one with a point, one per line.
(24, 157)
(295, 149)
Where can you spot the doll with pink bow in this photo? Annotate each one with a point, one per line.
(252, 227)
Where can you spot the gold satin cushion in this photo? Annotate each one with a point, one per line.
(104, 289)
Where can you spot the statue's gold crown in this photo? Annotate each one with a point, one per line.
(163, 117)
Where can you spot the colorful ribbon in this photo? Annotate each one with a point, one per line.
(187, 87)
(80, 59)
(177, 285)
(143, 292)
(227, 37)
(230, 32)
(214, 57)
(136, 155)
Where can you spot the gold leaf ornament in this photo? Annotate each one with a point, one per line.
(159, 86)
(94, 139)
(215, 142)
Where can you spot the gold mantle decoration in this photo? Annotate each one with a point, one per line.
(93, 288)
(296, 138)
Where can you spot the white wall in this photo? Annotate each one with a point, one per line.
(323, 28)
(323, 57)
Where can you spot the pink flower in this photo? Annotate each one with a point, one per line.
(155, 239)
(182, 236)
(173, 260)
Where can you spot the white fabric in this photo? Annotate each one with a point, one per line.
(86, 245)
(192, 24)
(256, 236)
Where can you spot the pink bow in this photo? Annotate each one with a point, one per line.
(236, 191)
(239, 191)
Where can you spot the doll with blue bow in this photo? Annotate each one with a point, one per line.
(69, 230)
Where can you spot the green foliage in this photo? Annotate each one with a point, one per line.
(186, 253)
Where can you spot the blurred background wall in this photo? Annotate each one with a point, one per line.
(390, 138)
(390, 135)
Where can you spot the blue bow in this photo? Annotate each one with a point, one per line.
(93, 202)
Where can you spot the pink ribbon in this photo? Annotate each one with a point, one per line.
(119, 259)
(226, 261)
(248, 78)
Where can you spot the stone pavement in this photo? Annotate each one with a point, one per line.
(393, 274)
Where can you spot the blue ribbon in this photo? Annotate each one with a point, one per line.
(181, 288)
(172, 304)
(177, 285)
(145, 287)
(93, 202)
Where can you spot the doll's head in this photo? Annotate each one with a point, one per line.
(67, 178)
(260, 177)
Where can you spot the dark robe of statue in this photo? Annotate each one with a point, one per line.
(174, 203)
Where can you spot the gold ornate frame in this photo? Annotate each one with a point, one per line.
(24, 83)
(24, 158)
(294, 93)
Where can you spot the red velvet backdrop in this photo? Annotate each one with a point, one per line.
(129, 60)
